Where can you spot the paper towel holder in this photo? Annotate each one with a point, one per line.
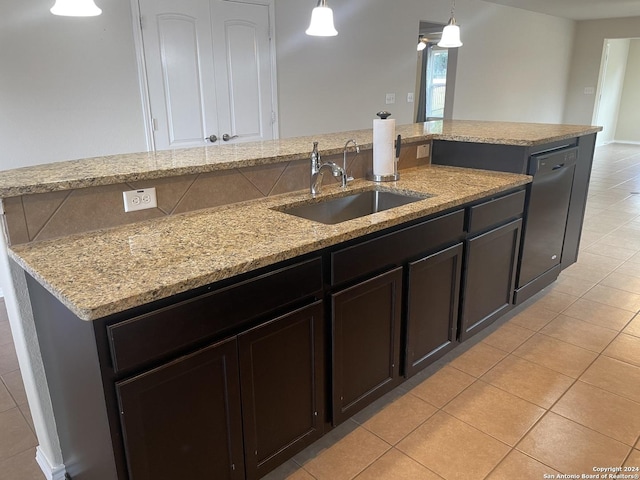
(392, 177)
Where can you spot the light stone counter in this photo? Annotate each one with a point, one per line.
(134, 167)
(104, 272)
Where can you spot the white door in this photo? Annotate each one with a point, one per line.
(209, 71)
(243, 70)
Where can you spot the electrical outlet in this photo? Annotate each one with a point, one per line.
(423, 151)
(140, 199)
(390, 98)
(589, 90)
(410, 97)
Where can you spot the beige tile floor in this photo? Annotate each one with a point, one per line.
(552, 388)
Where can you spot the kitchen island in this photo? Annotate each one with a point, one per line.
(142, 304)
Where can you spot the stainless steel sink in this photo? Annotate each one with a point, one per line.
(340, 209)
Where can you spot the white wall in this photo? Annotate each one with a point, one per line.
(614, 67)
(68, 86)
(507, 69)
(585, 63)
(629, 117)
(514, 65)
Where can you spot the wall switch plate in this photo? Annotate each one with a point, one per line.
(410, 97)
(140, 199)
(423, 151)
(390, 98)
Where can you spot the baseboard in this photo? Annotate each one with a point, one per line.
(626, 142)
(50, 473)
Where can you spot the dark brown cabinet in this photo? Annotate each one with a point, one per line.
(192, 410)
(183, 419)
(282, 382)
(366, 342)
(432, 307)
(489, 279)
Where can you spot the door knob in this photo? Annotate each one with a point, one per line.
(212, 138)
(226, 137)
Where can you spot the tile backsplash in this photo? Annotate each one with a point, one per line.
(46, 216)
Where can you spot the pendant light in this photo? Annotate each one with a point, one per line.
(451, 33)
(322, 21)
(422, 42)
(75, 8)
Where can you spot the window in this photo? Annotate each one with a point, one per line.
(436, 81)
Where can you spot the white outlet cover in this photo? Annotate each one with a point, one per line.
(410, 97)
(422, 151)
(140, 199)
(390, 98)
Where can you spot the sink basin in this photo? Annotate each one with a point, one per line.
(340, 209)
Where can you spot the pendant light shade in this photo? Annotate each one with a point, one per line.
(451, 33)
(75, 8)
(322, 21)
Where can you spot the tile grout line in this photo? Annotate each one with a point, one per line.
(560, 398)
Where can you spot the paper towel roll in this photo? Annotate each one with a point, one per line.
(384, 134)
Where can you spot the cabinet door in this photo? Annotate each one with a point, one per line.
(282, 379)
(366, 342)
(183, 419)
(489, 277)
(432, 307)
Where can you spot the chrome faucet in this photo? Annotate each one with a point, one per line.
(344, 156)
(317, 173)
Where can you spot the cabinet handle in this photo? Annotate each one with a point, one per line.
(226, 137)
(211, 138)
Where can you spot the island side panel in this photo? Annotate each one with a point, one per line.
(72, 370)
(486, 156)
(578, 202)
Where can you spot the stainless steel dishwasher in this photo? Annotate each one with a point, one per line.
(546, 220)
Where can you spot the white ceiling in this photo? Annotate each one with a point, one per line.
(578, 9)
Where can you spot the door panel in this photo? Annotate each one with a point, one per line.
(432, 307)
(282, 383)
(178, 53)
(183, 419)
(488, 296)
(181, 75)
(209, 71)
(243, 70)
(366, 342)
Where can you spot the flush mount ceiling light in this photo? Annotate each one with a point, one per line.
(451, 33)
(75, 8)
(322, 21)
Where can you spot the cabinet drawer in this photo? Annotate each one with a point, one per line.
(155, 335)
(495, 212)
(394, 248)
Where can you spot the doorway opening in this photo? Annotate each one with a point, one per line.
(436, 75)
(617, 100)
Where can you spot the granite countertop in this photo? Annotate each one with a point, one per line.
(105, 272)
(150, 165)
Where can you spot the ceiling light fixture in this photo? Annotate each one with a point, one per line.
(451, 33)
(422, 42)
(322, 21)
(75, 8)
